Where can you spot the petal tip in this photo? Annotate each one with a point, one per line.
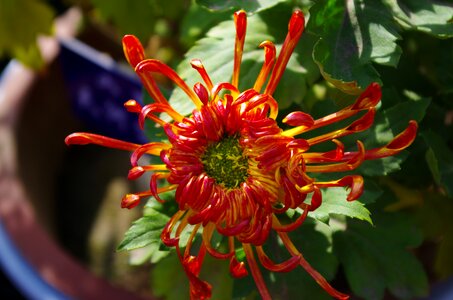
(297, 23)
(133, 50)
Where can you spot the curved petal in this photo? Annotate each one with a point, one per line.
(285, 266)
(84, 138)
(240, 20)
(353, 182)
(133, 50)
(145, 67)
(295, 28)
(269, 59)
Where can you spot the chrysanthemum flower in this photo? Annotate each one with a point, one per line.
(234, 170)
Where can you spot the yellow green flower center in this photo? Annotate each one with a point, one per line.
(225, 162)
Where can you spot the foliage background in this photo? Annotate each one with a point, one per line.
(394, 241)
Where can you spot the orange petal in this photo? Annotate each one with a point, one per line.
(353, 182)
(298, 118)
(165, 235)
(130, 201)
(84, 138)
(237, 269)
(153, 184)
(294, 225)
(256, 273)
(148, 66)
(349, 165)
(138, 171)
(133, 50)
(269, 59)
(197, 65)
(359, 125)
(285, 266)
(201, 92)
(369, 98)
(398, 144)
(132, 106)
(313, 273)
(208, 231)
(240, 20)
(295, 28)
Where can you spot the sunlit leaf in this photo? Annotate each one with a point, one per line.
(247, 5)
(216, 51)
(334, 202)
(143, 232)
(432, 17)
(354, 34)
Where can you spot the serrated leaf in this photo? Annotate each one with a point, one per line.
(152, 253)
(19, 40)
(216, 51)
(334, 202)
(428, 16)
(249, 6)
(376, 259)
(440, 160)
(144, 231)
(353, 36)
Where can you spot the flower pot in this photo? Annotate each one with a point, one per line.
(35, 116)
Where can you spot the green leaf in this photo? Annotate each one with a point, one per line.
(428, 16)
(440, 160)
(375, 259)
(152, 253)
(249, 6)
(144, 231)
(21, 21)
(166, 276)
(334, 202)
(216, 51)
(383, 166)
(353, 36)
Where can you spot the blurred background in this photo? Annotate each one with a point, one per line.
(62, 70)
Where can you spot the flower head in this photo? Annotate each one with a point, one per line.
(233, 168)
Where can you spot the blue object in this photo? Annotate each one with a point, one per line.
(22, 274)
(98, 88)
(442, 290)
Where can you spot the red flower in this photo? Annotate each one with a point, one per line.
(233, 168)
